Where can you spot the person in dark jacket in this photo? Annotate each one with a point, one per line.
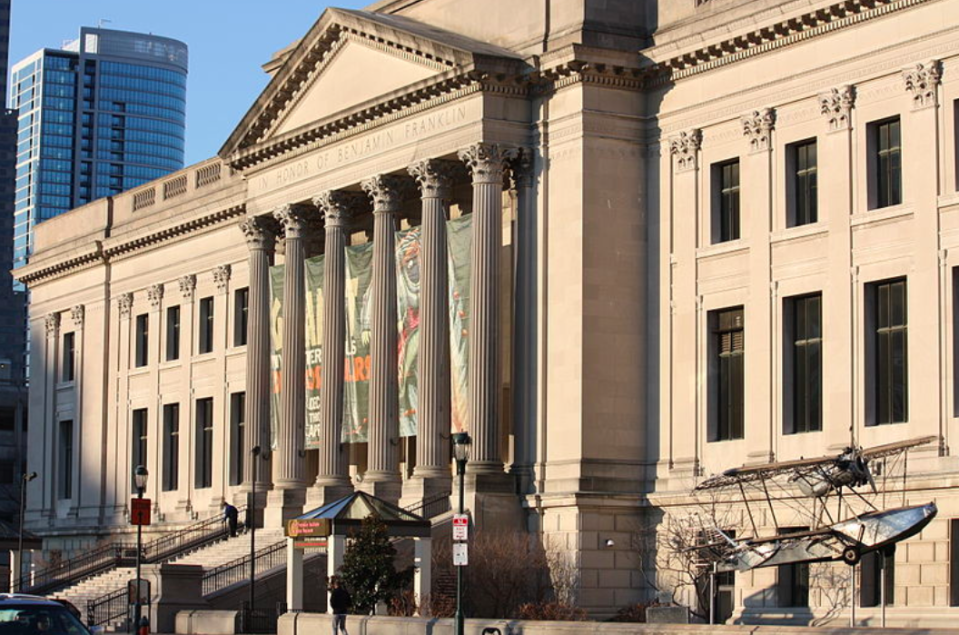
(231, 515)
(340, 602)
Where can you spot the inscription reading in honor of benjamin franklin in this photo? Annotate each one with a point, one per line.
(359, 148)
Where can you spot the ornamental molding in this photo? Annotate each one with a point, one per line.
(387, 192)
(339, 207)
(155, 295)
(125, 304)
(837, 104)
(52, 323)
(922, 82)
(221, 277)
(435, 177)
(294, 220)
(187, 285)
(758, 127)
(521, 169)
(685, 148)
(125, 247)
(487, 162)
(260, 232)
(77, 315)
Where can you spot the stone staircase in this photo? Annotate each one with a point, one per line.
(210, 556)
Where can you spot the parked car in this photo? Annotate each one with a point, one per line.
(22, 614)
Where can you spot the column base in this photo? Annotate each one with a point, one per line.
(384, 485)
(325, 492)
(282, 505)
(492, 501)
(423, 489)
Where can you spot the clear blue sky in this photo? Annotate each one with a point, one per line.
(228, 40)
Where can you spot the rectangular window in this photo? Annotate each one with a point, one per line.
(888, 351)
(870, 578)
(65, 462)
(886, 143)
(138, 456)
(171, 446)
(204, 443)
(727, 366)
(803, 168)
(69, 356)
(172, 333)
(237, 440)
(206, 325)
(954, 562)
(792, 586)
(241, 305)
(142, 340)
(726, 225)
(803, 367)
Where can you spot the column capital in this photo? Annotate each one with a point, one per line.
(221, 277)
(685, 146)
(487, 161)
(338, 206)
(836, 105)
(77, 315)
(758, 126)
(387, 191)
(922, 81)
(155, 295)
(434, 177)
(52, 323)
(187, 286)
(125, 304)
(294, 220)
(522, 168)
(260, 232)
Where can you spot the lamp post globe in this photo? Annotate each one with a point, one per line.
(461, 447)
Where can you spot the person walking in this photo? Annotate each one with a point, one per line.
(231, 516)
(340, 602)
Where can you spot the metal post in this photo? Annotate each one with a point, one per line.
(136, 605)
(712, 594)
(882, 587)
(19, 576)
(852, 596)
(461, 472)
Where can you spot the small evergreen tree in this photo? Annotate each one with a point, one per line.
(367, 569)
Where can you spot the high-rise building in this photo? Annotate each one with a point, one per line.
(105, 113)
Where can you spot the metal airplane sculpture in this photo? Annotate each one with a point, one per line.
(842, 534)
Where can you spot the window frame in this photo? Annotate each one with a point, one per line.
(237, 436)
(173, 333)
(802, 197)
(727, 421)
(139, 434)
(142, 341)
(204, 443)
(727, 201)
(886, 175)
(241, 308)
(802, 349)
(65, 460)
(69, 357)
(205, 334)
(171, 447)
(881, 362)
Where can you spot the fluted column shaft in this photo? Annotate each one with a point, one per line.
(386, 193)
(433, 421)
(288, 464)
(261, 241)
(337, 208)
(487, 163)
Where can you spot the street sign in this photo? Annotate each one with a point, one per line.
(139, 511)
(461, 523)
(460, 554)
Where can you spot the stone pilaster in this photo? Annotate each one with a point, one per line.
(260, 234)
(382, 478)
(332, 478)
(289, 487)
(432, 473)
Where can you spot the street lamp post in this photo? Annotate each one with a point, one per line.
(461, 446)
(26, 478)
(140, 475)
(251, 518)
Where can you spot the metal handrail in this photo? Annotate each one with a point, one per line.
(238, 570)
(107, 608)
(175, 543)
(432, 506)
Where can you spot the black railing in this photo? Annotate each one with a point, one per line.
(75, 569)
(187, 539)
(239, 570)
(108, 608)
(432, 506)
(256, 622)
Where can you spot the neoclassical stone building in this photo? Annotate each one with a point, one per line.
(704, 233)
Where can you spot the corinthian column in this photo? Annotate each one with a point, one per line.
(332, 478)
(432, 473)
(487, 163)
(260, 234)
(289, 493)
(383, 476)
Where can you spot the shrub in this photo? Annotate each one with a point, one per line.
(551, 611)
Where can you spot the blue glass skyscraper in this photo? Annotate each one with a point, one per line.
(104, 114)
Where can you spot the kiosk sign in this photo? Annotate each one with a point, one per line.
(308, 528)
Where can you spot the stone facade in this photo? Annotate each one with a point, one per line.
(586, 141)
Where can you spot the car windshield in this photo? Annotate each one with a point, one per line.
(38, 620)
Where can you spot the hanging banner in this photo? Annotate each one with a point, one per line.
(459, 233)
(276, 348)
(408, 314)
(314, 349)
(356, 393)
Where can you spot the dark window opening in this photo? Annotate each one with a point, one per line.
(173, 333)
(237, 440)
(142, 340)
(728, 369)
(803, 167)
(171, 446)
(804, 363)
(206, 325)
(241, 308)
(204, 443)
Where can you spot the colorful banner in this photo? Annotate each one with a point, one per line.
(314, 349)
(459, 235)
(276, 346)
(356, 393)
(408, 314)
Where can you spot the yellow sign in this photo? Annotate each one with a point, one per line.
(308, 528)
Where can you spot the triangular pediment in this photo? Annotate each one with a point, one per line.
(350, 59)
